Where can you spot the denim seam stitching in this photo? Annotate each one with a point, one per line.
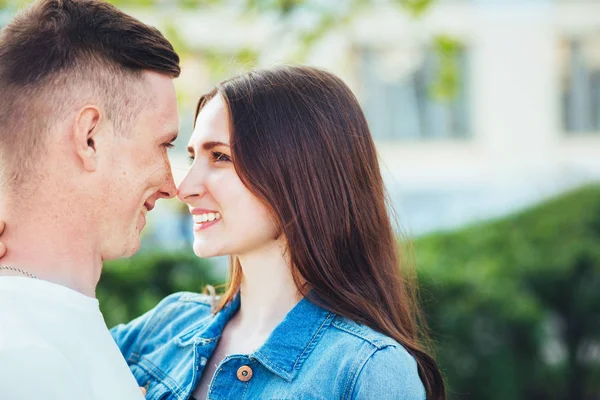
(350, 390)
(289, 375)
(213, 379)
(190, 297)
(265, 360)
(245, 390)
(311, 344)
(158, 374)
(146, 331)
(379, 344)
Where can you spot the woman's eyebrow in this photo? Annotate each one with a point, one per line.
(210, 145)
(207, 146)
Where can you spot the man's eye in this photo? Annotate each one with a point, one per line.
(191, 159)
(169, 145)
(220, 157)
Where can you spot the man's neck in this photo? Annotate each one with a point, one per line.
(53, 249)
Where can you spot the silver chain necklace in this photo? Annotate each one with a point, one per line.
(28, 274)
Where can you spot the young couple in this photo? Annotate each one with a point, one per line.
(284, 179)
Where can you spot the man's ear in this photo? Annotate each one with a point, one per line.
(85, 135)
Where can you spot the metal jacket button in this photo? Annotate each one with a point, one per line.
(244, 373)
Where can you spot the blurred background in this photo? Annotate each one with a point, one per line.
(486, 114)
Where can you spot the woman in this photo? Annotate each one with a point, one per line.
(285, 179)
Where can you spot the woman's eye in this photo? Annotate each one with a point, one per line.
(219, 157)
(191, 159)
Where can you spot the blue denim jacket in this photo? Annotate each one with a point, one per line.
(312, 354)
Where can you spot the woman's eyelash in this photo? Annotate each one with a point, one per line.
(220, 156)
(169, 145)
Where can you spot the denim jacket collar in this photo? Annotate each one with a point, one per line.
(288, 346)
(293, 339)
(210, 329)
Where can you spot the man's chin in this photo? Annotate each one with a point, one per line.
(134, 248)
(121, 246)
(131, 249)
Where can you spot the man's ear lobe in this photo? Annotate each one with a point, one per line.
(85, 135)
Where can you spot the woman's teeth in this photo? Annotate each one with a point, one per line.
(209, 217)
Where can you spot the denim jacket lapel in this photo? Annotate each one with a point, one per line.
(292, 341)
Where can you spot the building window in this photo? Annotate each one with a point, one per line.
(399, 100)
(580, 60)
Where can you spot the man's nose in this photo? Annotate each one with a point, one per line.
(168, 190)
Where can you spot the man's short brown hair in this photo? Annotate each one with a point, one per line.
(57, 51)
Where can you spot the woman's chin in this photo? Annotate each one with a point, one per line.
(204, 250)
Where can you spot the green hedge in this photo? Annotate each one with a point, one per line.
(130, 287)
(515, 304)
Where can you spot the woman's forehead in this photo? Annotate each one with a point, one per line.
(212, 123)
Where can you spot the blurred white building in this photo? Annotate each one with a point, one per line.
(524, 123)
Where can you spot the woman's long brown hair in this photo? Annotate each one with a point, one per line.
(300, 142)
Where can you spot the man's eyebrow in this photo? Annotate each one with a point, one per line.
(171, 136)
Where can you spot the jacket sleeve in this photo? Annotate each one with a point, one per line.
(389, 374)
(127, 335)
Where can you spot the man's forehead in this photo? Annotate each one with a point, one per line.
(164, 125)
(160, 92)
(158, 82)
(161, 111)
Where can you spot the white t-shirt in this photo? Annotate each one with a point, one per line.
(54, 345)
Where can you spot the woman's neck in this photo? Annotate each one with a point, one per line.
(268, 291)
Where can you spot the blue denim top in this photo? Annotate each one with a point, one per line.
(312, 354)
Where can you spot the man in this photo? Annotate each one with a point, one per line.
(88, 112)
